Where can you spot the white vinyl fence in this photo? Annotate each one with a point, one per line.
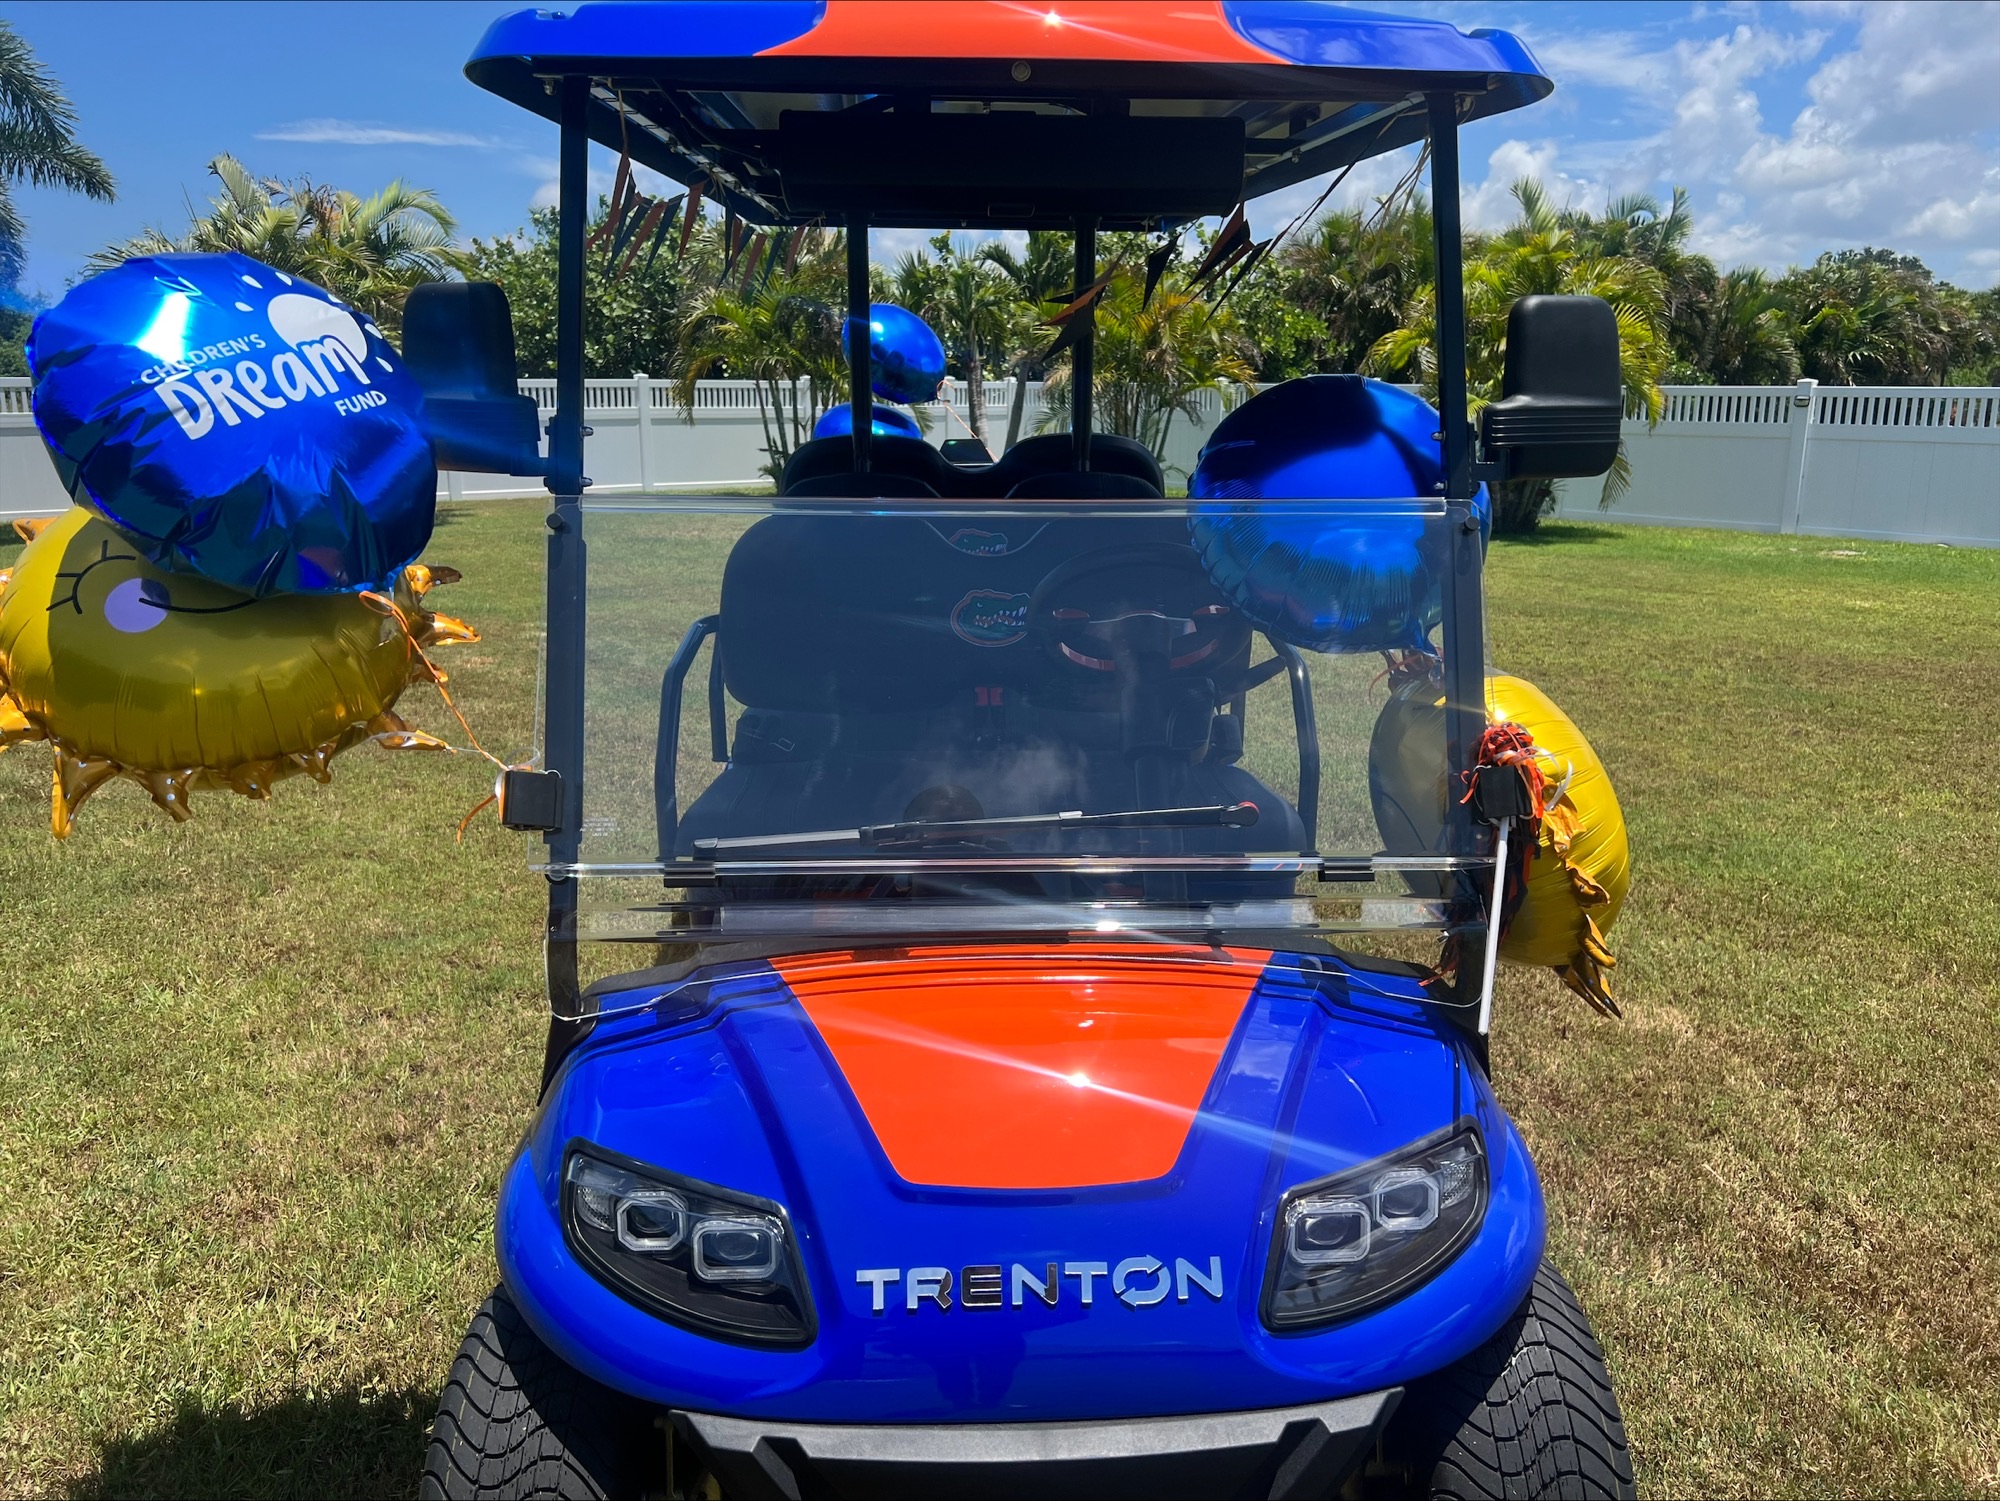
(1892, 463)
(640, 439)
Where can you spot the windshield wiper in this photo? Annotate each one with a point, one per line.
(1213, 816)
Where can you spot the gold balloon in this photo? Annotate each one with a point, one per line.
(178, 683)
(1582, 865)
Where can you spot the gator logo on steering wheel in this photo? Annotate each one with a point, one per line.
(989, 617)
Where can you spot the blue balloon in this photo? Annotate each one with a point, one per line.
(888, 422)
(1366, 582)
(235, 422)
(905, 358)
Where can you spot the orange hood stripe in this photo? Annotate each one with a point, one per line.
(1013, 1068)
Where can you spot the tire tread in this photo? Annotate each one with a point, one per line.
(514, 1421)
(1529, 1414)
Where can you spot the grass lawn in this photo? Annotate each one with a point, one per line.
(262, 1070)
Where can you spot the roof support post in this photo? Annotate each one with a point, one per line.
(860, 370)
(1083, 353)
(1450, 256)
(562, 739)
(1464, 598)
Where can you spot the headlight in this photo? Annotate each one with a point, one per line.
(720, 1263)
(1356, 1240)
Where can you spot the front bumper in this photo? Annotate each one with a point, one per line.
(1274, 1452)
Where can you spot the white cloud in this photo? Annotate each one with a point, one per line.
(602, 178)
(1718, 110)
(1893, 139)
(1917, 72)
(1491, 204)
(1889, 149)
(1983, 266)
(1608, 59)
(327, 132)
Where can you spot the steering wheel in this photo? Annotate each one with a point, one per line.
(1149, 612)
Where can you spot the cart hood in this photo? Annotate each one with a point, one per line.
(1118, 1121)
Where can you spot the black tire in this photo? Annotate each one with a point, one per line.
(1528, 1414)
(515, 1421)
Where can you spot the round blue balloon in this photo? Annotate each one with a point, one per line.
(235, 422)
(1318, 579)
(888, 422)
(905, 358)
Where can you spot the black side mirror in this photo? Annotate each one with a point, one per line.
(458, 344)
(1561, 399)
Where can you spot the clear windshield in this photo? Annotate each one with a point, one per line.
(1015, 712)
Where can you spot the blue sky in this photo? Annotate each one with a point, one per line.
(1798, 127)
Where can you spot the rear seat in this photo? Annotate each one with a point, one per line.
(820, 467)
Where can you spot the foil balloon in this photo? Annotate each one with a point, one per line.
(235, 422)
(1580, 866)
(905, 358)
(178, 683)
(1332, 578)
(888, 422)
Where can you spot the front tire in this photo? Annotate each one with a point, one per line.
(1529, 1414)
(515, 1421)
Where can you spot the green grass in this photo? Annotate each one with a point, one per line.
(262, 1070)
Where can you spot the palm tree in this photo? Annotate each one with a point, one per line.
(1869, 317)
(37, 146)
(1040, 281)
(1634, 227)
(368, 251)
(1539, 253)
(1739, 335)
(778, 334)
(1356, 273)
(1155, 362)
(966, 300)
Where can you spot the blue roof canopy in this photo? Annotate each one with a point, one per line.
(763, 103)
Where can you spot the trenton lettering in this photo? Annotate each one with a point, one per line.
(1137, 1282)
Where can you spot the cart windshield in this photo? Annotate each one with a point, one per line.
(1010, 713)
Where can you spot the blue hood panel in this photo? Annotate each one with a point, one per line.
(1328, 1068)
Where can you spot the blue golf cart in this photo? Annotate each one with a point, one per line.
(992, 1051)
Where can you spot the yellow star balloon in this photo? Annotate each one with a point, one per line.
(1580, 863)
(178, 683)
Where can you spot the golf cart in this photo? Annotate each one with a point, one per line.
(1024, 1096)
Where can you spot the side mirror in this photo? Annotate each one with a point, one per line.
(458, 345)
(1561, 399)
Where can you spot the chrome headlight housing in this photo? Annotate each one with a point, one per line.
(1362, 1238)
(720, 1263)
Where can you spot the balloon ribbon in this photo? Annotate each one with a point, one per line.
(406, 738)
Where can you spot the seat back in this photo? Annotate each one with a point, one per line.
(911, 458)
(1031, 458)
(1054, 453)
(1069, 485)
(875, 483)
(839, 614)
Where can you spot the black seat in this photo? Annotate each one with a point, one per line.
(911, 458)
(862, 486)
(1069, 485)
(1051, 453)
